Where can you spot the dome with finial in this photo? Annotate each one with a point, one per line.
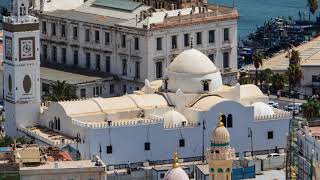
(176, 172)
(220, 135)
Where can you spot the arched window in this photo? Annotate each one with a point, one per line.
(224, 120)
(228, 170)
(220, 170)
(58, 126)
(20, 11)
(205, 86)
(229, 121)
(212, 170)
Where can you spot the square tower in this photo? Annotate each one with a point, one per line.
(21, 68)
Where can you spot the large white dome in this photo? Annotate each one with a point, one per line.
(176, 174)
(262, 109)
(193, 72)
(192, 61)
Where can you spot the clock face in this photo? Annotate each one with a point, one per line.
(26, 48)
(8, 48)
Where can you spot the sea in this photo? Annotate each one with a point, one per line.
(254, 13)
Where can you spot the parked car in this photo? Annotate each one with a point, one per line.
(273, 104)
(296, 108)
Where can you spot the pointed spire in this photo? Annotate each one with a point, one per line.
(175, 160)
(220, 123)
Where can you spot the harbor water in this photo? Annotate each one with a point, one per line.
(254, 13)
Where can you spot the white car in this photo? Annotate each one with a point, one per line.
(273, 104)
(293, 107)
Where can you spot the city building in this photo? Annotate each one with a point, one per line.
(137, 41)
(175, 111)
(308, 150)
(29, 162)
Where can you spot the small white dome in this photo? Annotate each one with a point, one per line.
(173, 118)
(176, 174)
(220, 135)
(262, 109)
(192, 61)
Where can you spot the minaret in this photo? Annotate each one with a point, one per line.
(176, 172)
(21, 68)
(220, 155)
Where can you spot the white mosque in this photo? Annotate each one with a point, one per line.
(178, 111)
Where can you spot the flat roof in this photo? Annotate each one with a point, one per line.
(63, 165)
(126, 5)
(84, 17)
(309, 54)
(71, 78)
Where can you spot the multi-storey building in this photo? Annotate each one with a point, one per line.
(135, 41)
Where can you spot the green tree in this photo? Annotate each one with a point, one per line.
(278, 81)
(61, 91)
(244, 78)
(257, 60)
(294, 74)
(6, 141)
(313, 6)
(311, 109)
(294, 57)
(265, 77)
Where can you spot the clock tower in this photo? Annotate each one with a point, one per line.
(21, 68)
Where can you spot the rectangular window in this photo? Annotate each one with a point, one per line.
(226, 60)
(211, 36)
(226, 34)
(75, 57)
(45, 52)
(137, 70)
(98, 62)
(111, 89)
(186, 40)
(53, 29)
(106, 38)
(181, 143)
(199, 38)
(63, 55)
(108, 64)
(109, 149)
(87, 35)
(159, 44)
(83, 93)
(270, 134)
(54, 54)
(136, 43)
(75, 33)
(44, 27)
(124, 67)
(211, 57)
(147, 146)
(158, 70)
(63, 30)
(97, 36)
(123, 41)
(88, 57)
(124, 89)
(174, 43)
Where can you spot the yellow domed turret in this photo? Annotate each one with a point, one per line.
(176, 172)
(220, 135)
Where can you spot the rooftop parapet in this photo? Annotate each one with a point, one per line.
(213, 13)
(279, 114)
(16, 20)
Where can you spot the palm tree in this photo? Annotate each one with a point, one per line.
(278, 81)
(294, 57)
(294, 74)
(6, 141)
(311, 109)
(265, 77)
(313, 6)
(61, 91)
(257, 62)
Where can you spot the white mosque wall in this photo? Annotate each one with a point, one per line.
(128, 140)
